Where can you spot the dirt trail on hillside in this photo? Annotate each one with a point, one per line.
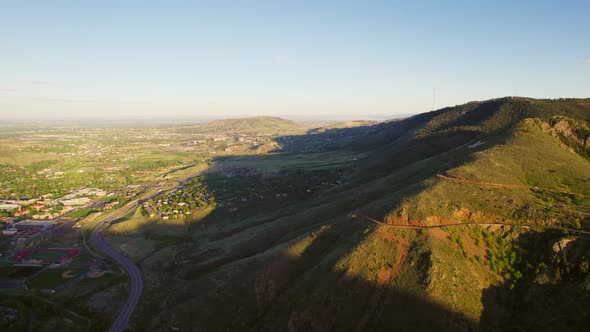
(505, 185)
(470, 224)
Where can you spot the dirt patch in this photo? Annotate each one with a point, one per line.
(96, 274)
(463, 214)
(402, 254)
(439, 234)
(472, 248)
(495, 228)
(383, 276)
(388, 234)
(472, 216)
(402, 249)
(69, 274)
(434, 220)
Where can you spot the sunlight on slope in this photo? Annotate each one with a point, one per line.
(517, 164)
(422, 264)
(132, 222)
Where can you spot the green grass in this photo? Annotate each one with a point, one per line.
(48, 279)
(10, 154)
(83, 258)
(277, 162)
(518, 158)
(129, 223)
(82, 213)
(259, 124)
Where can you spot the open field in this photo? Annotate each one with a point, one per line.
(277, 162)
(47, 279)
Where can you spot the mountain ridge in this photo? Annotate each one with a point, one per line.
(310, 262)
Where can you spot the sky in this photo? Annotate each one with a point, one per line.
(297, 59)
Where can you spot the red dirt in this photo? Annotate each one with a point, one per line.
(402, 248)
(69, 253)
(438, 233)
(383, 276)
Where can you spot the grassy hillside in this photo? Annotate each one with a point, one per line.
(429, 134)
(309, 259)
(508, 178)
(340, 125)
(259, 124)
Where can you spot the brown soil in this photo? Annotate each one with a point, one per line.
(383, 276)
(69, 274)
(472, 248)
(95, 274)
(402, 248)
(439, 234)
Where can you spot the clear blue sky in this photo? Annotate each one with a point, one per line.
(286, 58)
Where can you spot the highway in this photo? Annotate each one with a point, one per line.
(122, 320)
(127, 264)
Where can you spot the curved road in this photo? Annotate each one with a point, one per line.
(122, 320)
(132, 270)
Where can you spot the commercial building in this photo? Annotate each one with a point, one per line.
(39, 224)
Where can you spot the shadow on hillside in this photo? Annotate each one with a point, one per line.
(301, 292)
(485, 116)
(553, 294)
(236, 273)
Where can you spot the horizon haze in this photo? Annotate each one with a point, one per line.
(294, 165)
(291, 59)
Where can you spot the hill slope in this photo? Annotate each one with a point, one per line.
(334, 258)
(259, 124)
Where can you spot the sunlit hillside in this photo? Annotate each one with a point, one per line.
(336, 257)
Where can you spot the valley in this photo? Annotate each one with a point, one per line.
(455, 219)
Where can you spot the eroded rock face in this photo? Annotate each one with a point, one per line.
(564, 128)
(573, 133)
(573, 130)
(561, 244)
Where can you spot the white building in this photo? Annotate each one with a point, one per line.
(8, 231)
(9, 207)
(41, 224)
(76, 201)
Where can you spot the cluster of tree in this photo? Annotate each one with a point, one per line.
(555, 283)
(504, 258)
(148, 165)
(53, 147)
(498, 114)
(192, 196)
(295, 183)
(19, 182)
